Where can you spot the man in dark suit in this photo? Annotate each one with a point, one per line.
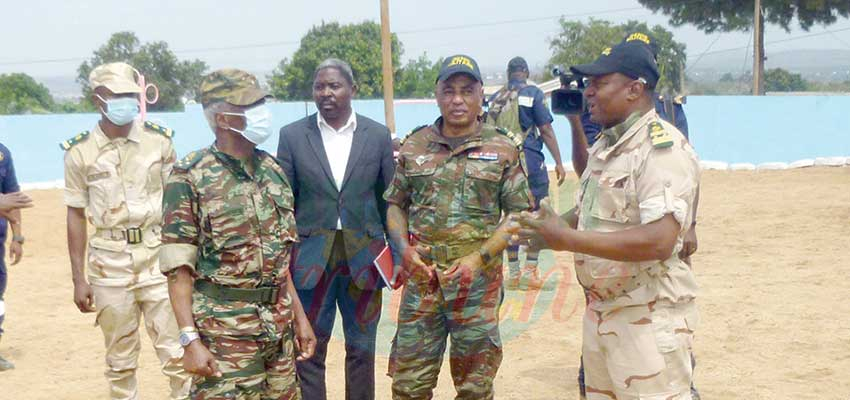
(338, 164)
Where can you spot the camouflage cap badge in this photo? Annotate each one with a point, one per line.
(231, 86)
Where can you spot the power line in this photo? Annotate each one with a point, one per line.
(716, 38)
(291, 42)
(840, 40)
(746, 52)
(515, 21)
(185, 51)
(826, 32)
(438, 29)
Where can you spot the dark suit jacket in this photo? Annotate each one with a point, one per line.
(318, 203)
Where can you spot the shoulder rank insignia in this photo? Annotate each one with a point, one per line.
(190, 160)
(66, 145)
(167, 132)
(414, 130)
(516, 139)
(660, 137)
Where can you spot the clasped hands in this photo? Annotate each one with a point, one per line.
(417, 263)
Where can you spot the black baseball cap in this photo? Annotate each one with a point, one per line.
(459, 64)
(517, 64)
(633, 58)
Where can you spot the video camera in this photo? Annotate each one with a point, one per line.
(569, 99)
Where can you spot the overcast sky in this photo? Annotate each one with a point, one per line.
(37, 30)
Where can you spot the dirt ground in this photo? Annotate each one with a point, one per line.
(773, 265)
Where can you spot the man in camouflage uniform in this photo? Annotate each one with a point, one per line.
(455, 181)
(228, 230)
(115, 176)
(632, 212)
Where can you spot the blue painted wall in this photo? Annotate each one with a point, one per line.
(723, 128)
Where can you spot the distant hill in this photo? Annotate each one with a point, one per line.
(818, 65)
(821, 65)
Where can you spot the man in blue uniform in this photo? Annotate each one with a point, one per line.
(521, 108)
(11, 202)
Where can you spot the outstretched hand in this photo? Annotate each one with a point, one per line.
(543, 228)
(14, 201)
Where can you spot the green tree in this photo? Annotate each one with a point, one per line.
(580, 43)
(780, 80)
(175, 79)
(725, 15)
(21, 94)
(416, 79)
(357, 44)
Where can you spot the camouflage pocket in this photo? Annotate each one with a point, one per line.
(481, 185)
(227, 220)
(286, 229)
(614, 198)
(421, 178)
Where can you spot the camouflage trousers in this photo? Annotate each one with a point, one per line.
(119, 311)
(466, 313)
(639, 352)
(251, 370)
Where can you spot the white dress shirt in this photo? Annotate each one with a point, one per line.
(337, 144)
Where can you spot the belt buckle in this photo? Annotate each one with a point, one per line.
(134, 235)
(440, 253)
(269, 294)
(453, 252)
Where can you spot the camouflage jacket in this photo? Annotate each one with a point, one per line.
(231, 229)
(637, 172)
(455, 196)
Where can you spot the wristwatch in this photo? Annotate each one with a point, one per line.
(18, 238)
(188, 335)
(485, 256)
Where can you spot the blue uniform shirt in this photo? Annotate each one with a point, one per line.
(591, 129)
(8, 183)
(533, 113)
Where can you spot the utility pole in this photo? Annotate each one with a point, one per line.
(387, 64)
(758, 50)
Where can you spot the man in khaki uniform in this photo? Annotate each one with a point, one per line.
(632, 212)
(114, 177)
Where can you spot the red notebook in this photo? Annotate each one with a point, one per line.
(384, 264)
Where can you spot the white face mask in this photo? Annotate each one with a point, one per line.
(258, 124)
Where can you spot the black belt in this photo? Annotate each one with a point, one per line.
(263, 294)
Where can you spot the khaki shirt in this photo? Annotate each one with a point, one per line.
(628, 183)
(120, 183)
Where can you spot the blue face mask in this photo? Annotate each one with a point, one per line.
(122, 110)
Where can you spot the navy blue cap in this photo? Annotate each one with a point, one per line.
(459, 64)
(633, 58)
(517, 64)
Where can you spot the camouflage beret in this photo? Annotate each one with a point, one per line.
(231, 86)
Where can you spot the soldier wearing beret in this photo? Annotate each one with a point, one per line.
(228, 231)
